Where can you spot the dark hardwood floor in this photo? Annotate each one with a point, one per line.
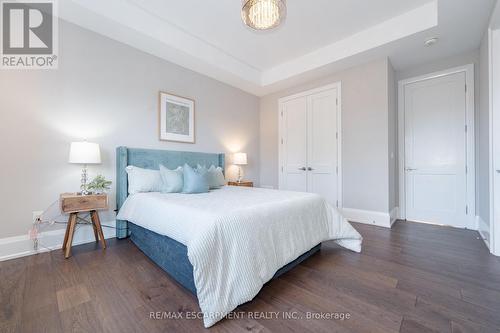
(413, 278)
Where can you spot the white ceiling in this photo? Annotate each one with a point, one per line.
(311, 24)
(318, 37)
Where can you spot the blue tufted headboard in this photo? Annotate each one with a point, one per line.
(151, 159)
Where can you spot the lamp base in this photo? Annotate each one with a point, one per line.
(240, 176)
(83, 185)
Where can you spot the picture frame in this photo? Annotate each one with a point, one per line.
(176, 117)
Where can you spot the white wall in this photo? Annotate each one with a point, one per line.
(393, 141)
(483, 142)
(365, 128)
(495, 123)
(106, 92)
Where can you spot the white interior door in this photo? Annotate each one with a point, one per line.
(435, 150)
(294, 145)
(322, 152)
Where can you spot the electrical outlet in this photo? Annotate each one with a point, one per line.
(37, 214)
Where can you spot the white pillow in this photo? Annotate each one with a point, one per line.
(172, 180)
(143, 180)
(216, 177)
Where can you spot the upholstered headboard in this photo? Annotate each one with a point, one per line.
(151, 159)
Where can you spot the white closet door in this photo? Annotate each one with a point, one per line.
(322, 154)
(294, 129)
(435, 150)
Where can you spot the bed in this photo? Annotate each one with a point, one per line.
(223, 246)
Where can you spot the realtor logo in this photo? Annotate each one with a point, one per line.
(29, 34)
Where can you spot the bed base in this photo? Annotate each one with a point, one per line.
(172, 256)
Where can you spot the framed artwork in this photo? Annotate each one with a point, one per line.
(176, 117)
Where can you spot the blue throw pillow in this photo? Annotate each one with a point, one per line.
(194, 181)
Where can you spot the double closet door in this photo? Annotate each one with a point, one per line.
(309, 143)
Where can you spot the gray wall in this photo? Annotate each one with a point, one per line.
(106, 92)
(441, 64)
(365, 138)
(393, 139)
(482, 137)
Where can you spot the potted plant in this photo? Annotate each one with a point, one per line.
(99, 185)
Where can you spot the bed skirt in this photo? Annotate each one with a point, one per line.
(172, 256)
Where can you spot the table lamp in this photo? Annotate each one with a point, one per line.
(84, 153)
(240, 159)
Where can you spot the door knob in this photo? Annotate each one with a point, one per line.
(303, 169)
(410, 169)
(310, 169)
(498, 171)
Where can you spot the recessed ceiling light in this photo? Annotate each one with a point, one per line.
(431, 41)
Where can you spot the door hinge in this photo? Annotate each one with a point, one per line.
(281, 140)
(466, 169)
(337, 135)
(282, 169)
(467, 210)
(465, 88)
(466, 128)
(337, 204)
(337, 170)
(337, 101)
(282, 113)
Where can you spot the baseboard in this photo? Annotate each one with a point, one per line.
(21, 246)
(368, 217)
(484, 230)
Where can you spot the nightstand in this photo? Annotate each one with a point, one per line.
(243, 183)
(74, 204)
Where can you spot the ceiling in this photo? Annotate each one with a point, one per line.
(307, 28)
(317, 38)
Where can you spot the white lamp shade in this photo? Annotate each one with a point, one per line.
(84, 153)
(240, 159)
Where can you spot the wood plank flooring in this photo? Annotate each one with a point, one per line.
(413, 278)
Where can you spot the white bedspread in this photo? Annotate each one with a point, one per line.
(237, 238)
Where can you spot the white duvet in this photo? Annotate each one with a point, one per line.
(237, 238)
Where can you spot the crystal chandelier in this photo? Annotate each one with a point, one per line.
(263, 14)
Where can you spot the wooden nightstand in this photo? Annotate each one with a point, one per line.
(73, 204)
(243, 183)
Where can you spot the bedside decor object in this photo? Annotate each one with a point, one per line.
(99, 185)
(240, 159)
(176, 117)
(84, 153)
(74, 204)
(243, 183)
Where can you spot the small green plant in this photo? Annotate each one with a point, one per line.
(99, 184)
